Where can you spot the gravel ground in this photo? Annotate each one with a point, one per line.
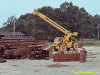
(48, 67)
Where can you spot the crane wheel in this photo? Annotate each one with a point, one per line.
(75, 46)
(63, 47)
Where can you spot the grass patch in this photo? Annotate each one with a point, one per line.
(85, 43)
(90, 43)
(49, 43)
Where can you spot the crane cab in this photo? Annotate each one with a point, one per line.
(57, 42)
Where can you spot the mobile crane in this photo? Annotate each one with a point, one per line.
(60, 43)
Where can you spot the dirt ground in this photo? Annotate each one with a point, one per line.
(48, 67)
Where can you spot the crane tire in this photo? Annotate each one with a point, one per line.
(75, 46)
(63, 47)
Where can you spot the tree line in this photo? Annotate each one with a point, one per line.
(69, 16)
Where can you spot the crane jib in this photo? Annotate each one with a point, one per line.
(54, 24)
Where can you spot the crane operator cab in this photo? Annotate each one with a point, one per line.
(57, 42)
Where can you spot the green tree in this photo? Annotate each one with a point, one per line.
(8, 26)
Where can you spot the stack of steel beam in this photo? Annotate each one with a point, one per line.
(37, 52)
(13, 52)
(68, 56)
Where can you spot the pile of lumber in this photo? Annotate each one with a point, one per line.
(38, 52)
(12, 52)
(69, 56)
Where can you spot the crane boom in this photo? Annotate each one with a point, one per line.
(51, 22)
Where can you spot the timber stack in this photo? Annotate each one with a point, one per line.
(38, 52)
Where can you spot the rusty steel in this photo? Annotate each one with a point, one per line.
(66, 57)
(38, 52)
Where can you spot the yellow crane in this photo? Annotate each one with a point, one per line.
(60, 43)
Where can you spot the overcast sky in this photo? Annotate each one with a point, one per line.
(20, 7)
